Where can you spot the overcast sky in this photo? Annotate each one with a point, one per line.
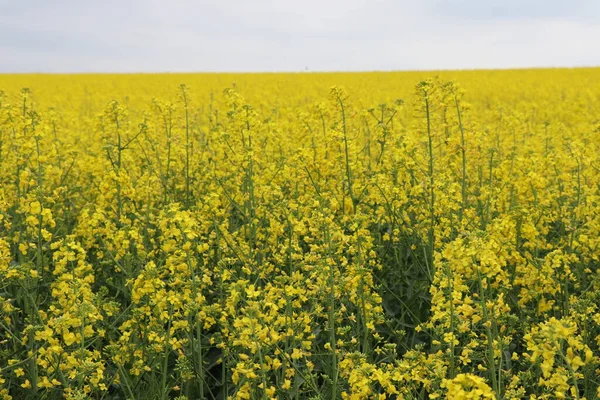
(281, 35)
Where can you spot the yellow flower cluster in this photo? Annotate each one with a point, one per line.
(300, 236)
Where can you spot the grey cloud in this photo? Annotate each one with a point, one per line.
(586, 10)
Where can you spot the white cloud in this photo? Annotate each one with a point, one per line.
(261, 35)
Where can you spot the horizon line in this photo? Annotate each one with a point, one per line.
(305, 71)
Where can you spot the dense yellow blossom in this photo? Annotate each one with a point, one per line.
(275, 236)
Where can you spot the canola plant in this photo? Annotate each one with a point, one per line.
(411, 235)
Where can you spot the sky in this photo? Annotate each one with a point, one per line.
(300, 35)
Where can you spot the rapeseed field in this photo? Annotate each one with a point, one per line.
(412, 235)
